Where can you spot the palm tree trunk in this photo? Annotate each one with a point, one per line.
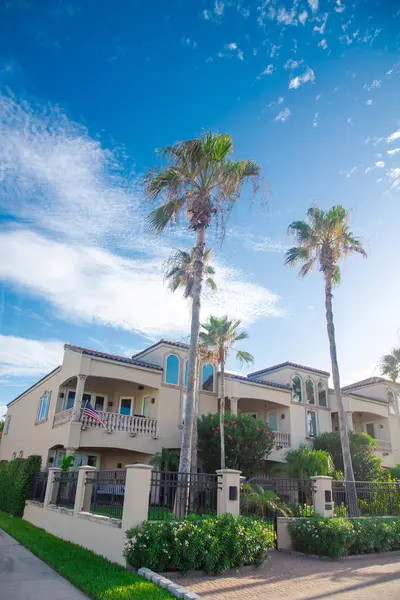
(182, 496)
(344, 436)
(222, 413)
(193, 467)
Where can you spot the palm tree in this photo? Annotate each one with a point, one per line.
(203, 183)
(390, 364)
(305, 462)
(220, 335)
(263, 501)
(323, 240)
(178, 271)
(166, 460)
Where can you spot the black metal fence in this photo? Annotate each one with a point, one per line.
(65, 483)
(108, 492)
(39, 485)
(268, 496)
(175, 495)
(366, 498)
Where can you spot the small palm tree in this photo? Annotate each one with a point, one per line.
(305, 462)
(390, 364)
(202, 183)
(219, 336)
(179, 271)
(264, 501)
(324, 239)
(166, 460)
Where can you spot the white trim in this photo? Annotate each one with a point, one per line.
(148, 397)
(131, 398)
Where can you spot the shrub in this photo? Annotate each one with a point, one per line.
(213, 544)
(339, 537)
(248, 442)
(16, 480)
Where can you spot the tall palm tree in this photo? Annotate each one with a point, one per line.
(166, 460)
(178, 271)
(219, 335)
(390, 364)
(202, 183)
(324, 239)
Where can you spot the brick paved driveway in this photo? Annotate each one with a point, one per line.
(292, 577)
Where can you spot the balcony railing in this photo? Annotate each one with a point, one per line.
(116, 422)
(384, 445)
(282, 440)
(63, 417)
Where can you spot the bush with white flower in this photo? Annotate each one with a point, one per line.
(212, 544)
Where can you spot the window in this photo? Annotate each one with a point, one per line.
(145, 406)
(99, 404)
(183, 411)
(86, 399)
(207, 378)
(60, 455)
(44, 405)
(392, 405)
(370, 429)
(125, 406)
(7, 425)
(322, 396)
(172, 370)
(272, 417)
(296, 387)
(69, 403)
(91, 460)
(311, 424)
(310, 391)
(185, 375)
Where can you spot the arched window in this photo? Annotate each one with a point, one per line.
(185, 374)
(322, 395)
(172, 370)
(392, 405)
(310, 391)
(207, 378)
(296, 387)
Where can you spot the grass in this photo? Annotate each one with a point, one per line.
(97, 577)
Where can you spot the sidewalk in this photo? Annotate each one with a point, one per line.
(293, 577)
(23, 576)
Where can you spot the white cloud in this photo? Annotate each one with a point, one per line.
(286, 17)
(393, 137)
(374, 85)
(219, 8)
(274, 50)
(28, 358)
(189, 42)
(91, 285)
(394, 151)
(257, 243)
(339, 6)
(283, 115)
(394, 175)
(323, 20)
(369, 102)
(267, 71)
(276, 102)
(303, 17)
(298, 81)
(206, 14)
(380, 164)
(313, 5)
(231, 46)
(323, 44)
(292, 64)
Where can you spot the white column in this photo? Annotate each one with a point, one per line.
(322, 495)
(51, 489)
(234, 406)
(84, 488)
(349, 419)
(228, 494)
(137, 495)
(80, 388)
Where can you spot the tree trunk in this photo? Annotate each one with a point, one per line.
(344, 436)
(195, 417)
(182, 496)
(222, 414)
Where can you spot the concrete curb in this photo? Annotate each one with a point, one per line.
(394, 553)
(175, 589)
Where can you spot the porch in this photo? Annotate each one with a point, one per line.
(370, 423)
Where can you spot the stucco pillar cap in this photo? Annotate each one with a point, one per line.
(138, 466)
(87, 468)
(227, 471)
(321, 477)
(54, 469)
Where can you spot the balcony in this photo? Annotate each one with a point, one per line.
(384, 445)
(282, 440)
(134, 425)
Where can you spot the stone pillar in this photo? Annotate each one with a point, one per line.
(84, 488)
(349, 419)
(234, 406)
(137, 494)
(80, 388)
(228, 495)
(52, 487)
(322, 495)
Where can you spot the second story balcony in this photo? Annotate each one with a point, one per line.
(111, 421)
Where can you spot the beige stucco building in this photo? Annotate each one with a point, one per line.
(141, 402)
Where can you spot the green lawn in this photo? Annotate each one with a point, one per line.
(95, 576)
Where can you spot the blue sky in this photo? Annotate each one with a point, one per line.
(89, 90)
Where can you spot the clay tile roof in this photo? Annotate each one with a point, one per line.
(287, 364)
(115, 357)
(159, 343)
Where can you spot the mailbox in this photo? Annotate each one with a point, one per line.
(328, 496)
(233, 492)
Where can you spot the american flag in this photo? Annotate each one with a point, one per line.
(89, 411)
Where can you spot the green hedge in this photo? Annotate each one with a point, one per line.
(16, 479)
(340, 537)
(212, 544)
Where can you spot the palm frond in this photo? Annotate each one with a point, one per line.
(390, 364)
(244, 357)
(296, 254)
(162, 216)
